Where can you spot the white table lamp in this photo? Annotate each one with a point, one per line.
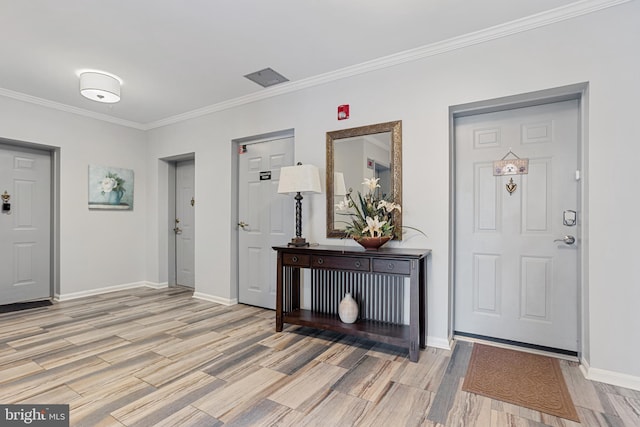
(299, 179)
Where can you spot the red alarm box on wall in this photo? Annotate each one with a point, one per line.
(343, 112)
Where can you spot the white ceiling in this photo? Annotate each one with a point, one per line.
(177, 56)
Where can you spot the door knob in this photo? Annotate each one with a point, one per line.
(243, 225)
(6, 206)
(568, 240)
(177, 230)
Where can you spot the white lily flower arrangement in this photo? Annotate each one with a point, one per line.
(371, 215)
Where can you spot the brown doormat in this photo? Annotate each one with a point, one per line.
(524, 379)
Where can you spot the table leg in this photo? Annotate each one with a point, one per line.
(414, 312)
(279, 293)
(423, 302)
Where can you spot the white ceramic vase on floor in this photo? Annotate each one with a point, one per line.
(348, 309)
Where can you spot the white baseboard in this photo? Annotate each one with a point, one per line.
(99, 291)
(156, 285)
(213, 298)
(609, 377)
(439, 343)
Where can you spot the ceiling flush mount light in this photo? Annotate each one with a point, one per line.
(100, 87)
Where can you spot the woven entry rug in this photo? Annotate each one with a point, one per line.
(520, 378)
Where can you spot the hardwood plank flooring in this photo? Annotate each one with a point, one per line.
(147, 357)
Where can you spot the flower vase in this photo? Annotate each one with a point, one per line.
(115, 197)
(348, 309)
(372, 243)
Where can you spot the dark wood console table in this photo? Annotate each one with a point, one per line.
(376, 279)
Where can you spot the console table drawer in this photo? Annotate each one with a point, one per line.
(294, 260)
(391, 266)
(340, 263)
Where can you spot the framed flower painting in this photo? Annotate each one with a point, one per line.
(110, 188)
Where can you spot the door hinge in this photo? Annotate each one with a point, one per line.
(577, 175)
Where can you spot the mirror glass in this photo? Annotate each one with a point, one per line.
(354, 154)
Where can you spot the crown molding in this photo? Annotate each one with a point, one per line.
(69, 109)
(538, 20)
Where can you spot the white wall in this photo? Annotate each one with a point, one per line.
(98, 249)
(600, 48)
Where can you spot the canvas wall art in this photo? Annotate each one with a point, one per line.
(110, 188)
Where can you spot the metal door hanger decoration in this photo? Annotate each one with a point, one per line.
(511, 186)
(513, 166)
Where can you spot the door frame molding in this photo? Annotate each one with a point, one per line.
(54, 243)
(170, 164)
(174, 175)
(235, 188)
(578, 91)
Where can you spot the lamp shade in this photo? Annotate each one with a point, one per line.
(100, 87)
(299, 178)
(339, 189)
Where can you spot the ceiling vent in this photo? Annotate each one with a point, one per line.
(267, 77)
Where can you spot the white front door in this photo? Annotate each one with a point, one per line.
(25, 229)
(513, 280)
(265, 219)
(185, 223)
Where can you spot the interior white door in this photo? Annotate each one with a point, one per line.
(25, 230)
(185, 223)
(265, 219)
(513, 279)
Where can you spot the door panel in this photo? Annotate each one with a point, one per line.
(537, 206)
(268, 217)
(25, 231)
(512, 281)
(486, 283)
(535, 286)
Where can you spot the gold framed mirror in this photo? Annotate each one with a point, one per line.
(373, 151)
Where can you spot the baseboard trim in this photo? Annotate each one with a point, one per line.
(153, 285)
(438, 342)
(156, 285)
(105, 290)
(610, 377)
(213, 298)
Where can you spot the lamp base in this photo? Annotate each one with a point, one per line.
(298, 241)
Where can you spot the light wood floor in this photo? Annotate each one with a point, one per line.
(148, 357)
